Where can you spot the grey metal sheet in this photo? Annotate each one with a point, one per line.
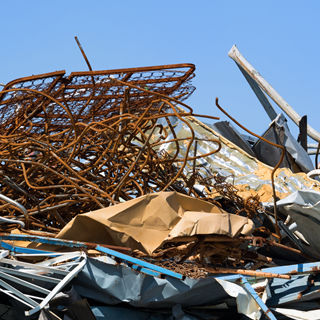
(279, 133)
(226, 129)
(113, 284)
(304, 208)
(297, 289)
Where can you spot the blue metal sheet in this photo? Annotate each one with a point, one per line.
(45, 240)
(146, 271)
(16, 249)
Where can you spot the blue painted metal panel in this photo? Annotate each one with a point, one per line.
(146, 271)
(16, 249)
(38, 239)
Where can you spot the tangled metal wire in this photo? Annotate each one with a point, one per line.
(76, 144)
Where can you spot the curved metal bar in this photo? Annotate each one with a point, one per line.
(2, 219)
(20, 207)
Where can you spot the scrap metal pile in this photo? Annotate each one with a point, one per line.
(115, 164)
(74, 144)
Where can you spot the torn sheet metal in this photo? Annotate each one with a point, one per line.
(298, 289)
(145, 222)
(227, 130)
(244, 171)
(304, 209)
(245, 303)
(112, 284)
(279, 133)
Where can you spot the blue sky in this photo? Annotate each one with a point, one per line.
(279, 38)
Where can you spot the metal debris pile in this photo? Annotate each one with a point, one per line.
(84, 160)
(73, 145)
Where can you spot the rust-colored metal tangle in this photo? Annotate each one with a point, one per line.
(73, 144)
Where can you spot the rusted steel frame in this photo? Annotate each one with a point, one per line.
(111, 156)
(72, 185)
(59, 218)
(37, 168)
(107, 85)
(188, 76)
(38, 103)
(15, 147)
(46, 95)
(138, 70)
(157, 116)
(141, 118)
(154, 93)
(55, 116)
(60, 74)
(258, 274)
(274, 169)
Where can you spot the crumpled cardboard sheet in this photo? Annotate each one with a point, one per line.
(144, 223)
(232, 161)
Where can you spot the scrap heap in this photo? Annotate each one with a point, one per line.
(115, 159)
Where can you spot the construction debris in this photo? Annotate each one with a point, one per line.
(117, 201)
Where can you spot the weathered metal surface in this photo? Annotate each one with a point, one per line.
(235, 55)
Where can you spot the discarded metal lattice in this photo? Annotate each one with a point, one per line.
(76, 144)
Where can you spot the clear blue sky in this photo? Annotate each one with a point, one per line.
(279, 38)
